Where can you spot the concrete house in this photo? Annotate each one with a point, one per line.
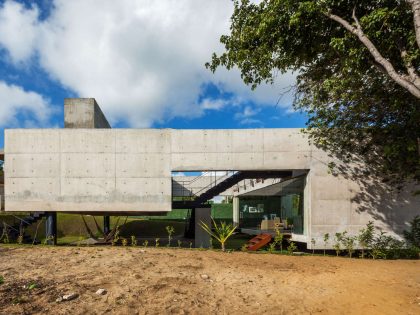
(87, 167)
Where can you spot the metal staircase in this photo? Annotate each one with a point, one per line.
(17, 229)
(221, 184)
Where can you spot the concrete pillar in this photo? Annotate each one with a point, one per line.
(51, 228)
(235, 203)
(202, 238)
(107, 224)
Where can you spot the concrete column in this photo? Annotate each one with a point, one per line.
(51, 228)
(107, 225)
(202, 238)
(235, 203)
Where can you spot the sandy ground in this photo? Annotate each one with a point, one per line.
(170, 281)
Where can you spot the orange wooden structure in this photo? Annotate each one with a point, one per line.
(258, 241)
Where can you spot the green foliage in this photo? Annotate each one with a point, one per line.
(179, 243)
(278, 239)
(337, 245)
(32, 286)
(356, 110)
(291, 248)
(133, 240)
(157, 242)
(116, 237)
(365, 237)
(349, 243)
(222, 231)
(413, 235)
(1, 280)
(124, 241)
(145, 243)
(272, 247)
(170, 230)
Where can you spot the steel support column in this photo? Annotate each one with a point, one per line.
(51, 228)
(107, 225)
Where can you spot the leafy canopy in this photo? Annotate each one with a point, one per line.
(357, 65)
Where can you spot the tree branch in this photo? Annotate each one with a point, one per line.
(415, 6)
(389, 68)
(412, 74)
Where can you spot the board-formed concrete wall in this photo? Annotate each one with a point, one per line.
(129, 170)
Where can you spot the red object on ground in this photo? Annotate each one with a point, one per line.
(258, 241)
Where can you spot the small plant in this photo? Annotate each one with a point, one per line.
(221, 233)
(32, 286)
(365, 237)
(190, 245)
(79, 241)
(5, 235)
(179, 243)
(291, 248)
(1, 280)
(49, 238)
(157, 242)
(272, 247)
(349, 242)
(20, 236)
(145, 243)
(133, 240)
(116, 237)
(244, 247)
(326, 239)
(313, 246)
(337, 244)
(278, 239)
(124, 241)
(170, 230)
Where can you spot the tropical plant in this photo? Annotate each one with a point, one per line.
(170, 230)
(365, 237)
(221, 233)
(145, 243)
(326, 238)
(157, 242)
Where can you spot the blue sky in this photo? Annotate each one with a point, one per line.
(142, 60)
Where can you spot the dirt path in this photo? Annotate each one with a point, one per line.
(169, 281)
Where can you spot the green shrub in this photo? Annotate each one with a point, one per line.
(365, 237)
(413, 235)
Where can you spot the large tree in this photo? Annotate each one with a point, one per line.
(357, 65)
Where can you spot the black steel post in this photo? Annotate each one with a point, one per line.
(107, 225)
(51, 228)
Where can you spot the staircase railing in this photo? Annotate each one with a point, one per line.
(189, 191)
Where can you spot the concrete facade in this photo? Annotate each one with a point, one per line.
(129, 170)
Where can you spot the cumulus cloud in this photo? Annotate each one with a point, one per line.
(142, 60)
(18, 30)
(33, 108)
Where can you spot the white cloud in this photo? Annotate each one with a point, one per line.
(18, 30)
(142, 60)
(33, 108)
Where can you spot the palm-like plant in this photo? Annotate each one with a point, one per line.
(221, 232)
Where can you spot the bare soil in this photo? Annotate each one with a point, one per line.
(182, 281)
